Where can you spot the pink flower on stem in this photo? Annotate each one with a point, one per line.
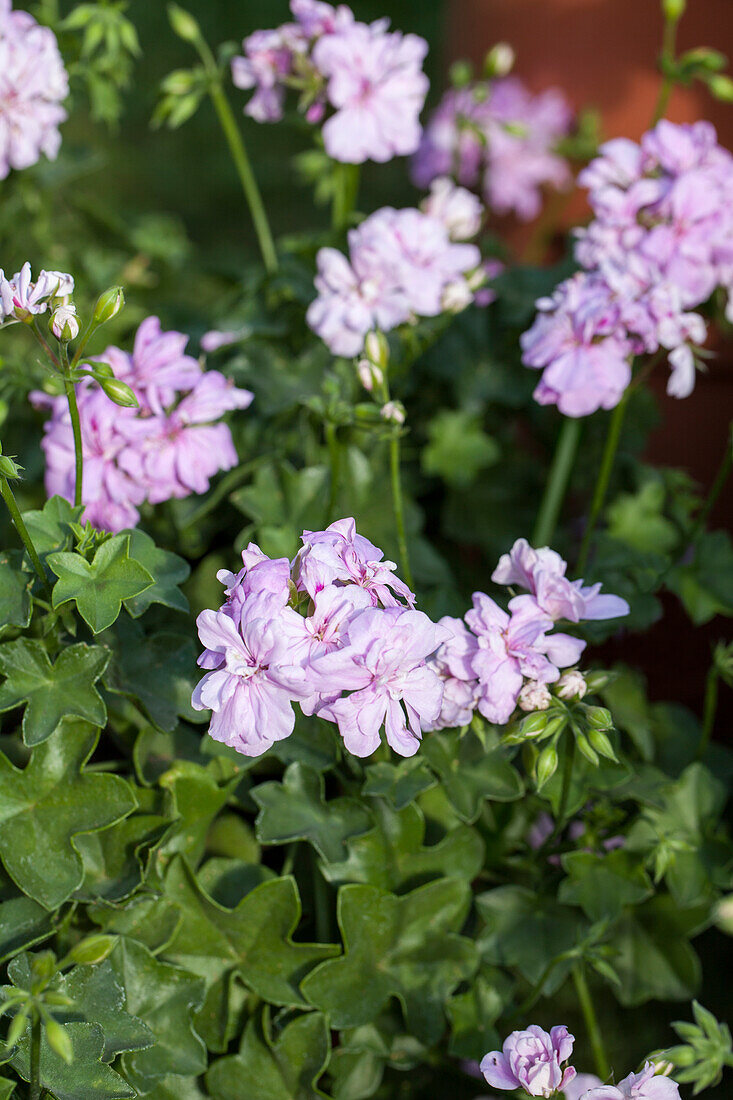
(637, 1086)
(383, 665)
(376, 84)
(339, 555)
(542, 572)
(20, 297)
(33, 85)
(531, 1060)
(251, 685)
(452, 662)
(512, 647)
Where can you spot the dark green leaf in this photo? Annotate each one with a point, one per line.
(23, 923)
(458, 447)
(167, 570)
(49, 803)
(405, 947)
(603, 885)
(163, 997)
(286, 1069)
(15, 599)
(400, 784)
(255, 938)
(296, 810)
(86, 1078)
(159, 671)
(50, 527)
(469, 773)
(55, 691)
(393, 856)
(654, 958)
(98, 998)
(98, 588)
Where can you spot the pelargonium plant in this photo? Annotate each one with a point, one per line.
(328, 765)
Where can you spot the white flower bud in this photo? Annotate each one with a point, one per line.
(64, 323)
(369, 374)
(571, 685)
(457, 296)
(376, 349)
(393, 411)
(534, 696)
(499, 60)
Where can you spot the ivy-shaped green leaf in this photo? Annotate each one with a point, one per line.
(115, 859)
(255, 939)
(400, 784)
(164, 998)
(46, 805)
(392, 854)
(50, 526)
(653, 956)
(603, 885)
(97, 997)
(23, 923)
(158, 671)
(7, 1088)
(296, 810)
(526, 931)
(405, 947)
(85, 1078)
(99, 587)
(469, 773)
(197, 798)
(286, 1069)
(55, 691)
(15, 598)
(167, 570)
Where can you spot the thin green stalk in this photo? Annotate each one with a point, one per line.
(710, 708)
(239, 154)
(20, 527)
(399, 510)
(557, 483)
(567, 781)
(334, 454)
(669, 49)
(345, 194)
(75, 426)
(604, 477)
(587, 1007)
(35, 1058)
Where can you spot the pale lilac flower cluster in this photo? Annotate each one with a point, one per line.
(33, 85)
(168, 447)
(357, 657)
(21, 298)
(500, 140)
(368, 79)
(646, 1085)
(532, 1060)
(491, 659)
(660, 243)
(401, 264)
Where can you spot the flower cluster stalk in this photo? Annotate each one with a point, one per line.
(557, 483)
(16, 517)
(398, 504)
(70, 391)
(604, 477)
(595, 1037)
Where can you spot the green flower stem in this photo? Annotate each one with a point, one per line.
(557, 483)
(20, 527)
(669, 50)
(567, 780)
(397, 498)
(34, 1092)
(710, 708)
(242, 163)
(75, 426)
(587, 1007)
(334, 455)
(399, 511)
(604, 477)
(345, 194)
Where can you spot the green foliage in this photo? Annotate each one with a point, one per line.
(99, 587)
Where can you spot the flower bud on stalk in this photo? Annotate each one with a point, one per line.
(370, 375)
(394, 412)
(58, 1039)
(721, 87)
(673, 9)
(571, 685)
(119, 392)
(546, 765)
(108, 305)
(534, 696)
(376, 349)
(183, 23)
(499, 60)
(64, 323)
